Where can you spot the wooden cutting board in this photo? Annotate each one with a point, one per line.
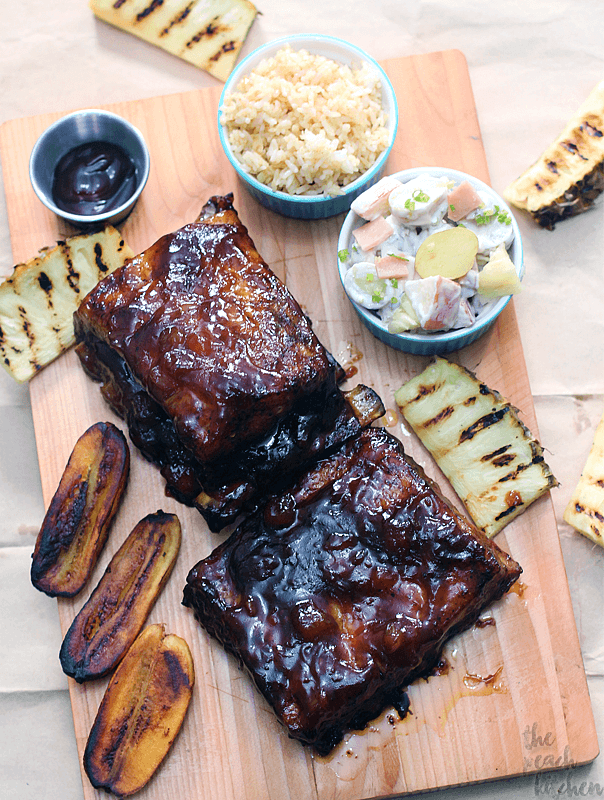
(514, 699)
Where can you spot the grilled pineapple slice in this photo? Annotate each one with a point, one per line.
(569, 175)
(38, 300)
(207, 33)
(478, 441)
(585, 509)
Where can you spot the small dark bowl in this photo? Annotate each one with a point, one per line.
(83, 127)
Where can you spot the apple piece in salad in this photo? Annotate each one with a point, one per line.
(404, 318)
(498, 277)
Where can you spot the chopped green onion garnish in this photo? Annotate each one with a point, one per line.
(485, 217)
(420, 196)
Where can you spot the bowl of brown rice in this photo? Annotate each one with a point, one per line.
(308, 122)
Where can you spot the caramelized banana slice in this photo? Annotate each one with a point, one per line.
(116, 611)
(77, 522)
(141, 712)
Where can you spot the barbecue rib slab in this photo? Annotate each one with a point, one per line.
(216, 369)
(343, 589)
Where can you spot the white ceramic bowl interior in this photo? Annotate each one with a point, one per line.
(82, 127)
(434, 343)
(320, 206)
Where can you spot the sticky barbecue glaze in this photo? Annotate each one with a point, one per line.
(217, 370)
(343, 590)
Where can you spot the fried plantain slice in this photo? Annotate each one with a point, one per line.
(141, 712)
(116, 611)
(77, 522)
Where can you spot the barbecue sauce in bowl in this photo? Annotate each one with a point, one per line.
(93, 178)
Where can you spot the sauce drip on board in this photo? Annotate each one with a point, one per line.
(93, 178)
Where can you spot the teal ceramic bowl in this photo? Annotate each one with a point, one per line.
(428, 344)
(315, 206)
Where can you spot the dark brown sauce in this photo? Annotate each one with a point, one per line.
(442, 668)
(93, 178)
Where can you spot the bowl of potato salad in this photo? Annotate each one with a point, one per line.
(429, 257)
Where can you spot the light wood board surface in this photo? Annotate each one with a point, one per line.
(514, 699)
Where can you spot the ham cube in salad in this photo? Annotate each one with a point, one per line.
(462, 200)
(400, 265)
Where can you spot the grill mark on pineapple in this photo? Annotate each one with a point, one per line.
(590, 129)
(442, 415)
(45, 285)
(73, 277)
(210, 32)
(26, 326)
(536, 459)
(227, 47)
(424, 391)
(573, 149)
(508, 511)
(504, 460)
(178, 19)
(500, 457)
(511, 476)
(101, 266)
(154, 4)
(580, 509)
(482, 424)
